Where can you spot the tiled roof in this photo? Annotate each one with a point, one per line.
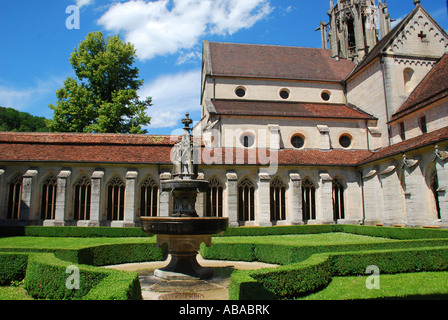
(128, 149)
(408, 145)
(288, 109)
(312, 157)
(432, 88)
(276, 62)
(94, 148)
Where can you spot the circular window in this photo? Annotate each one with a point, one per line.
(298, 141)
(284, 94)
(247, 140)
(345, 141)
(325, 95)
(240, 92)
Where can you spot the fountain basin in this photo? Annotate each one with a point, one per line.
(184, 225)
(184, 236)
(185, 185)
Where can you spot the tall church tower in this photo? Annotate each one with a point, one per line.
(355, 27)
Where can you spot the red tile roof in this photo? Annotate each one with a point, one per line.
(276, 62)
(288, 109)
(94, 148)
(433, 87)
(408, 145)
(141, 149)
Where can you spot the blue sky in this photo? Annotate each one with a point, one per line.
(168, 34)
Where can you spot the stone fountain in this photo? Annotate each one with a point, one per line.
(183, 230)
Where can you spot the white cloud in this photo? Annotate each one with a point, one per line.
(167, 26)
(173, 96)
(82, 3)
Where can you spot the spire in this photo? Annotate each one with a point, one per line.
(417, 2)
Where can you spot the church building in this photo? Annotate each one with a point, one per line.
(355, 132)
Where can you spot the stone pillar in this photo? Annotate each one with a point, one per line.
(324, 212)
(231, 209)
(3, 196)
(441, 158)
(373, 202)
(263, 214)
(414, 194)
(61, 201)
(392, 196)
(130, 217)
(359, 33)
(26, 215)
(95, 199)
(164, 202)
(294, 213)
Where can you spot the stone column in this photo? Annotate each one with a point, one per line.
(130, 217)
(61, 200)
(263, 214)
(164, 202)
(324, 212)
(441, 158)
(231, 209)
(294, 213)
(95, 198)
(373, 204)
(3, 196)
(414, 194)
(392, 196)
(26, 215)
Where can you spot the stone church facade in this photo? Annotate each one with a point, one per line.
(353, 133)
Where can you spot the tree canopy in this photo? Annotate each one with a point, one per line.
(18, 121)
(103, 98)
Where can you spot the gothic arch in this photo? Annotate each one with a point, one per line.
(308, 199)
(277, 193)
(214, 200)
(246, 200)
(339, 187)
(82, 188)
(149, 197)
(115, 198)
(48, 197)
(14, 196)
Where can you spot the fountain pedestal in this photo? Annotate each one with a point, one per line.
(183, 251)
(183, 231)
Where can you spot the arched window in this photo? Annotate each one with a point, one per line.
(15, 197)
(82, 197)
(308, 200)
(115, 199)
(278, 199)
(338, 200)
(149, 198)
(408, 75)
(246, 200)
(48, 207)
(214, 198)
(434, 188)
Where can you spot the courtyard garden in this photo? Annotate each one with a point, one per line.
(328, 262)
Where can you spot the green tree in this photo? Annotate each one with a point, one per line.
(14, 120)
(104, 98)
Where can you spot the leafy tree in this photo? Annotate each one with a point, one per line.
(104, 97)
(14, 120)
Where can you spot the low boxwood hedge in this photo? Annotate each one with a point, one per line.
(45, 277)
(305, 277)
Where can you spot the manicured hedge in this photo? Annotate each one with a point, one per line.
(40, 231)
(45, 277)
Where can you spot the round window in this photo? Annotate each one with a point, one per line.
(325, 95)
(240, 92)
(284, 94)
(247, 140)
(345, 141)
(297, 142)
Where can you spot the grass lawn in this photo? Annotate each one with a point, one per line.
(14, 293)
(65, 243)
(398, 286)
(305, 239)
